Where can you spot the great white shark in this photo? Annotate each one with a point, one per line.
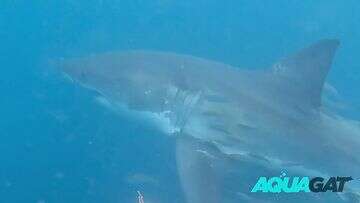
(231, 123)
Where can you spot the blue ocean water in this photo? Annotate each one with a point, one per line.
(59, 145)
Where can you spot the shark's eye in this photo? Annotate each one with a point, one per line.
(83, 75)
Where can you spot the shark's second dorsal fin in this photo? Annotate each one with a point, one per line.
(306, 70)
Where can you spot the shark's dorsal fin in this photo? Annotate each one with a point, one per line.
(306, 70)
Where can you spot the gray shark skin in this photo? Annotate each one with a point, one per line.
(234, 124)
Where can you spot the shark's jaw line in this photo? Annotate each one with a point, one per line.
(161, 119)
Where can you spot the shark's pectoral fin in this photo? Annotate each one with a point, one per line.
(305, 71)
(196, 173)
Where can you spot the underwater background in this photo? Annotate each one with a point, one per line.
(59, 145)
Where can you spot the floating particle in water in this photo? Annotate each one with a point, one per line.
(140, 197)
(8, 184)
(59, 175)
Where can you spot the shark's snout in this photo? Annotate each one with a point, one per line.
(72, 72)
(67, 77)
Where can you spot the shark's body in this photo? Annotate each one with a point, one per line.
(268, 119)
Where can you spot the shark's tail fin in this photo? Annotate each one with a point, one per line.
(307, 70)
